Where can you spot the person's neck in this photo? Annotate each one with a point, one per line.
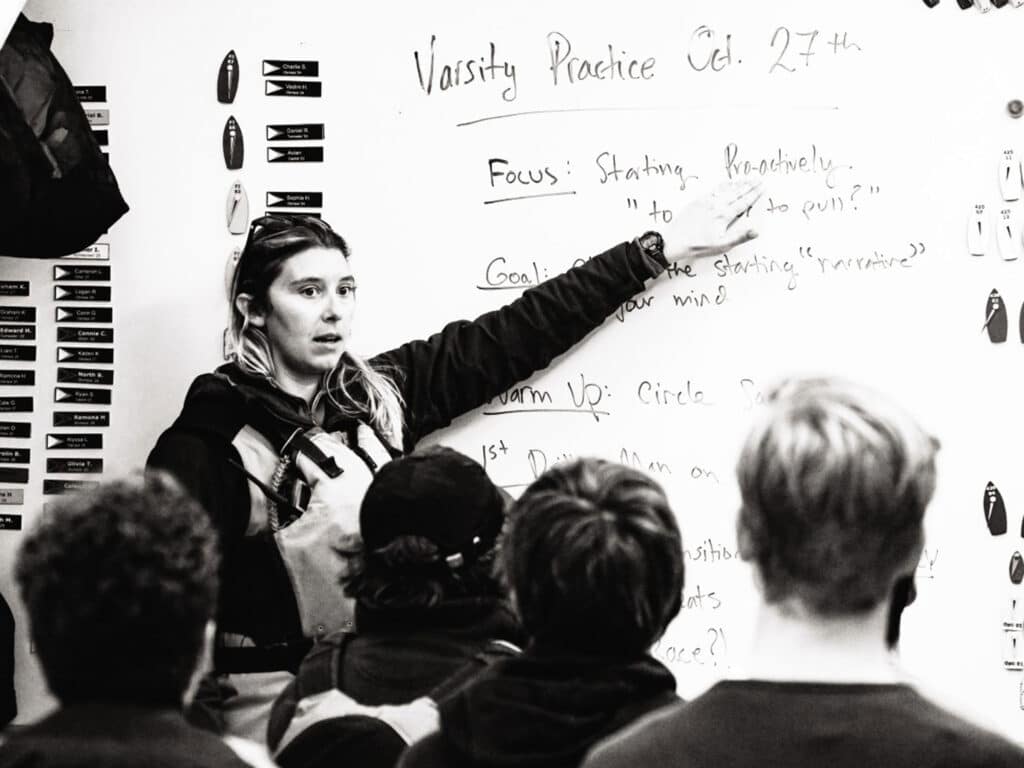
(791, 644)
(301, 387)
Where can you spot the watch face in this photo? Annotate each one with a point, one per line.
(652, 241)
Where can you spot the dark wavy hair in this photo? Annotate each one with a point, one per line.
(834, 481)
(119, 583)
(594, 559)
(410, 573)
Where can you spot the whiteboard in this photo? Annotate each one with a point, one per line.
(877, 127)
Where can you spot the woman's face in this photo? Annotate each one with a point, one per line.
(308, 316)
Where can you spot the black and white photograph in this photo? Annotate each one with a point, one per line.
(547, 385)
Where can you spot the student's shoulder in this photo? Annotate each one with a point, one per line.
(648, 741)
(974, 747)
(429, 752)
(957, 737)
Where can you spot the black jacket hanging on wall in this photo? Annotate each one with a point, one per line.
(57, 192)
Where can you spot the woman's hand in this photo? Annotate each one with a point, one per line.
(714, 223)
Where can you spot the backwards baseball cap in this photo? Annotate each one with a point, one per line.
(439, 494)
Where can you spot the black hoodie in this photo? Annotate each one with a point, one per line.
(542, 709)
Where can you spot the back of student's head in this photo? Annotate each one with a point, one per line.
(593, 558)
(429, 524)
(834, 480)
(119, 583)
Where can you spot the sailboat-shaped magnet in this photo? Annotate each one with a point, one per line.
(995, 318)
(227, 79)
(995, 510)
(237, 210)
(234, 146)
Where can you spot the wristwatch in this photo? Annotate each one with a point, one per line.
(653, 245)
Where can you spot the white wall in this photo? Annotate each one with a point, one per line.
(913, 118)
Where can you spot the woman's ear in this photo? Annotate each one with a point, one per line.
(249, 309)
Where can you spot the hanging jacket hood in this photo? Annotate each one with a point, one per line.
(548, 710)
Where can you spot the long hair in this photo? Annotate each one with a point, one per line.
(354, 387)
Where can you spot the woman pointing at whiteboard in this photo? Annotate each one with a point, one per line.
(280, 444)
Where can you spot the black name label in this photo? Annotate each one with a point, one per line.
(16, 405)
(15, 429)
(290, 68)
(17, 314)
(15, 455)
(102, 137)
(10, 522)
(312, 214)
(296, 132)
(80, 396)
(81, 292)
(74, 441)
(84, 315)
(14, 475)
(94, 93)
(53, 487)
(13, 287)
(295, 199)
(293, 88)
(86, 335)
(74, 466)
(84, 355)
(81, 419)
(12, 378)
(295, 155)
(17, 378)
(17, 352)
(85, 376)
(17, 332)
(86, 272)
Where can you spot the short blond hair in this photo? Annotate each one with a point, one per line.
(834, 480)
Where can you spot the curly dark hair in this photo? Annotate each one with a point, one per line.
(594, 558)
(119, 583)
(834, 481)
(411, 574)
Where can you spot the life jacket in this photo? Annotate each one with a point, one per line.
(308, 520)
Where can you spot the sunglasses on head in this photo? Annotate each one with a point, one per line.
(276, 223)
(272, 225)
